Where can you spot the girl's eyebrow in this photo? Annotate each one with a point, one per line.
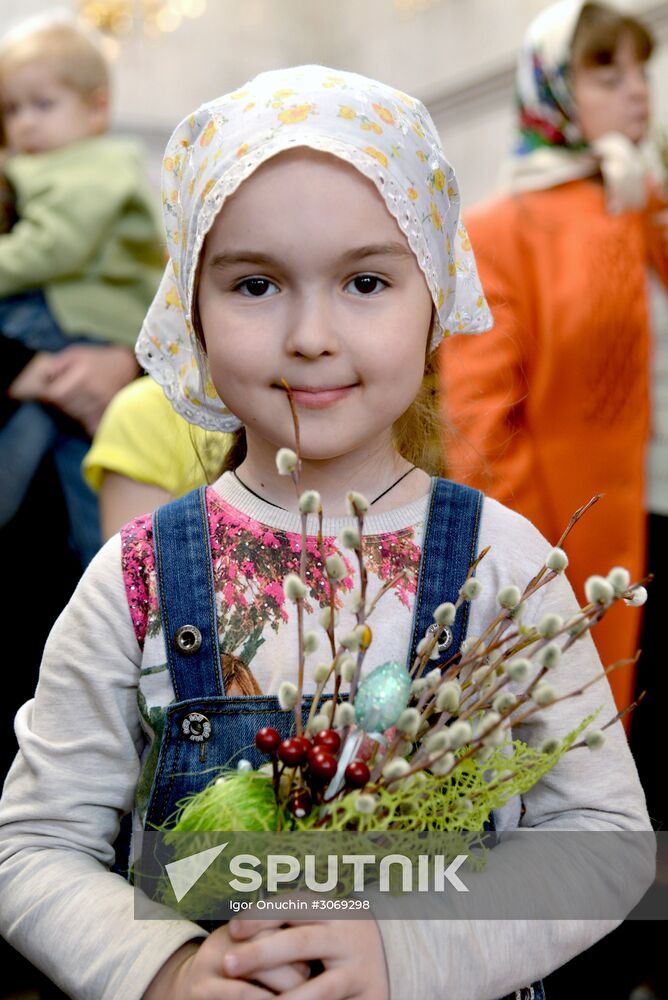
(240, 257)
(390, 249)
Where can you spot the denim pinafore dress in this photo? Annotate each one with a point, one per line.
(204, 727)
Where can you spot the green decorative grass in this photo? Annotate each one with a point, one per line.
(243, 800)
(459, 802)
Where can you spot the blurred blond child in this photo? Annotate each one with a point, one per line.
(77, 270)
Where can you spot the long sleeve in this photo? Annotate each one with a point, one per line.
(485, 379)
(74, 776)
(67, 203)
(654, 234)
(484, 959)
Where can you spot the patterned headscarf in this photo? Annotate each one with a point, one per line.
(386, 135)
(546, 111)
(549, 148)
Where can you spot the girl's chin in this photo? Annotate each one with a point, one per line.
(637, 133)
(317, 449)
(323, 453)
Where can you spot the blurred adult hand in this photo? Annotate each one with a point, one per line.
(81, 380)
(33, 380)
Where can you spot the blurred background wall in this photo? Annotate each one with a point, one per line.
(457, 55)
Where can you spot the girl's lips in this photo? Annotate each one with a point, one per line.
(319, 399)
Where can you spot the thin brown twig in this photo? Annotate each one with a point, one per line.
(618, 716)
(574, 694)
(580, 512)
(361, 611)
(625, 711)
(295, 421)
(300, 631)
(296, 478)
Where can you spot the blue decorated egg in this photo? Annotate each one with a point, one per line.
(382, 696)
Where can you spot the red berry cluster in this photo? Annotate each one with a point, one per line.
(317, 759)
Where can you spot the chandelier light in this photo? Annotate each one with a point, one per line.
(122, 17)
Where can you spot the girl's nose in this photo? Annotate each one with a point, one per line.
(312, 329)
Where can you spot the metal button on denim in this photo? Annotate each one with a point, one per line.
(187, 639)
(445, 636)
(196, 727)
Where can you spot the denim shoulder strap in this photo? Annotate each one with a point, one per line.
(186, 597)
(450, 546)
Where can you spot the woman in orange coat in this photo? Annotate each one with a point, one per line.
(552, 406)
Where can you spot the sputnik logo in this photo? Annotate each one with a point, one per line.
(184, 873)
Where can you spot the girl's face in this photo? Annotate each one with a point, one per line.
(613, 98)
(305, 276)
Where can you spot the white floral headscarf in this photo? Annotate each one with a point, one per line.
(386, 135)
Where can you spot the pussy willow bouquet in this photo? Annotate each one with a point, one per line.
(425, 748)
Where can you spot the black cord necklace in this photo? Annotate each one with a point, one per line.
(264, 499)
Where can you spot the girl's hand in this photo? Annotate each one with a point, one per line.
(195, 972)
(351, 952)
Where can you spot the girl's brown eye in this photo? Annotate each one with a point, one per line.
(256, 287)
(367, 284)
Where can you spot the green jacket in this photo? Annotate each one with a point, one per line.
(88, 234)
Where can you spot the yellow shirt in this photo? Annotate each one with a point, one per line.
(143, 438)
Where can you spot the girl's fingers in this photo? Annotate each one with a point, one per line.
(210, 984)
(242, 930)
(228, 989)
(283, 978)
(293, 944)
(333, 984)
(247, 927)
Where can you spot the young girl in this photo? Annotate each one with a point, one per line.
(314, 236)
